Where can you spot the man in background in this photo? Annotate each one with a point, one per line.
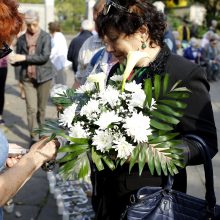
(89, 48)
(87, 27)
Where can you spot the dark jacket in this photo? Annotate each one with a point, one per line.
(115, 187)
(41, 58)
(75, 46)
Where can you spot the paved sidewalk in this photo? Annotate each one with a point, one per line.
(34, 202)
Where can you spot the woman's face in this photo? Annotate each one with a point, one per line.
(119, 44)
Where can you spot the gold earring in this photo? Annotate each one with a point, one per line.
(143, 45)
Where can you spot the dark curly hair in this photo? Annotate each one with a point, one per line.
(140, 12)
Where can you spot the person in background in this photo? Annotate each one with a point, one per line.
(184, 33)
(32, 58)
(58, 54)
(169, 38)
(194, 53)
(194, 30)
(87, 27)
(206, 38)
(22, 168)
(92, 45)
(16, 70)
(211, 54)
(213, 26)
(131, 25)
(3, 76)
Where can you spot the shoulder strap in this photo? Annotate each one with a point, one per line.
(209, 182)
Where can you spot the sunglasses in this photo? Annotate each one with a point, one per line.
(5, 50)
(109, 4)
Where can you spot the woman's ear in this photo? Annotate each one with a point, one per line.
(143, 30)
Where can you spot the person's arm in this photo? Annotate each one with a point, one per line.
(16, 176)
(35, 59)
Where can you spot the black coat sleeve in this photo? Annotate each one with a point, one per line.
(198, 118)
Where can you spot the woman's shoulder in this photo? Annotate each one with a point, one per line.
(182, 69)
(180, 63)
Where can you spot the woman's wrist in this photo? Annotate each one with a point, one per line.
(36, 158)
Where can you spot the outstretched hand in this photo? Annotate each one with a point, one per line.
(45, 149)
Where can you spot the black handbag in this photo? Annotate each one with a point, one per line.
(156, 203)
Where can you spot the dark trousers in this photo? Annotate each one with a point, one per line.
(3, 76)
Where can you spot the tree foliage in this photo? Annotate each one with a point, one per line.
(70, 13)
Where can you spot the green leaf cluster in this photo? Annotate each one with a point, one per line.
(161, 153)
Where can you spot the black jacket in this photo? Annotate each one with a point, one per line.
(115, 187)
(41, 58)
(75, 46)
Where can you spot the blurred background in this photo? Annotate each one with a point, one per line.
(70, 13)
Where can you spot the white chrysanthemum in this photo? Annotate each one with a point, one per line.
(138, 127)
(87, 87)
(106, 118)
(116, 78)
(91, 107)
(57, 90)
(123, 148)
(133, 86)
(102, 140)
(110, 95)
(77, 131)
(68, 115)
(137, 99)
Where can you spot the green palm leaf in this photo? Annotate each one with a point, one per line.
(165, 118)
(157, 86)
(148, 90)
(142, 158)
(96, 158)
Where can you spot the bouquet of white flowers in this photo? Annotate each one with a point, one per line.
(123, 122)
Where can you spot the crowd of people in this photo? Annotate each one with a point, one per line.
(41, 59)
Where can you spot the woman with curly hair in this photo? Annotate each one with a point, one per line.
(136, 25)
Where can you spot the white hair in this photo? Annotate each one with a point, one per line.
(87, 25)
(31, 16)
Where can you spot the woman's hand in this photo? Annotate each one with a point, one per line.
(14, 58)
(11, 161)
(15, 154)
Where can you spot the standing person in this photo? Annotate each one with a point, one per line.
(168, 38)
(213, 26)
(212, 52)
(87, 27)
(132, 25)
(194, 53)
(58, 54)
(92, 45)
(184, 33)
(36, 71)
(3, 76)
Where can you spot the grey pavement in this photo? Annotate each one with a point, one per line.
(33, 201)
